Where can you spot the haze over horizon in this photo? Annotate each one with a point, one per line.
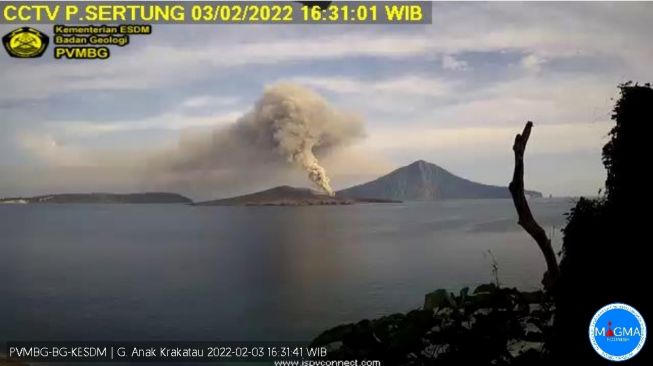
(453, 93)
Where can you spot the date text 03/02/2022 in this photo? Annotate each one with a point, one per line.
(221, 12)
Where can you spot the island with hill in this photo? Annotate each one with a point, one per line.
(101, 198)
(289, 196)
(419, 181)
(424, 181)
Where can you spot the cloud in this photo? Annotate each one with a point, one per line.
(545, 99)
(393, 75)
(48, 150)
(169, 121)
(285, 129)
(570, 30)
(532, 63)
(407, 85)
(449, 62)
(169, 64)
(483, 141)
(208, 101)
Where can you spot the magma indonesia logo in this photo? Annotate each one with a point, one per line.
(617, 332)
(25, 42)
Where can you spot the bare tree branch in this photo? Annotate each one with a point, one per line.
(526, 219)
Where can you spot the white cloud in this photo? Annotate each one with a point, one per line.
(542, 98)
(542, 31)
(483, 141)
(457, 116)
(532, 63)
(449, 62)
(171, 64)
(168, 121)
(406, 85)
(208, 101)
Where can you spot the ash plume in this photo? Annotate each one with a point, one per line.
(288, 124)
(297, 122)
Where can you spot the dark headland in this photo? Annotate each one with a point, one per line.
(288, 196)
(134, 198)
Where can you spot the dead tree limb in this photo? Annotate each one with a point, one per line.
(526, 219)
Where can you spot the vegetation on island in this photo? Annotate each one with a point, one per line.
(101, 198)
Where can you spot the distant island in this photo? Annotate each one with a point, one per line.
(424, 181)
(288, 196)
(419, 181)
(138, 198)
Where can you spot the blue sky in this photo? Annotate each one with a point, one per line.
(453, 93)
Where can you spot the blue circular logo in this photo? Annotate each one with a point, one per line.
(617, 332)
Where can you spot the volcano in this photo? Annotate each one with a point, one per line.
(288, 196)
(424, 181)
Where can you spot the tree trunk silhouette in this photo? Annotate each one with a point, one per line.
(526, 219)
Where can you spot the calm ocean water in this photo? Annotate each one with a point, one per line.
(169, 272)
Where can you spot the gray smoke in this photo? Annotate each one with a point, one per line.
(296, 121)
(288, 123)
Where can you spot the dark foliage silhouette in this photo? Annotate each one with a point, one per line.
(605, 258)
(607, 241)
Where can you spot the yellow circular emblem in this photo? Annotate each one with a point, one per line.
(25, 42)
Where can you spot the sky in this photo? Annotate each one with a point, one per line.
(453, 93)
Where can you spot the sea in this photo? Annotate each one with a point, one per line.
(177, 272)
